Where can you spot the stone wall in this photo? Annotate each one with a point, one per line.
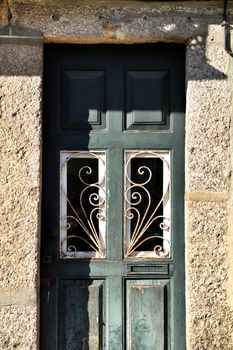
(208, 212)
(20, 135)
(207, 188)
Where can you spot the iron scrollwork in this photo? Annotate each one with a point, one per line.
(140, 208)
(82, 219)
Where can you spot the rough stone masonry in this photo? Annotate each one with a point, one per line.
(208, 162)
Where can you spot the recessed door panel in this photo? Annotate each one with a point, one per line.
(147, 100)
(81, 314)
(83, 100)
(147, 314)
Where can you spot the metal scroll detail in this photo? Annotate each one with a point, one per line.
(145, 212)
(85, 214)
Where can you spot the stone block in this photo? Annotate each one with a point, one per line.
(120, 22)
(18, 328)
(210, 320)
(207, 119)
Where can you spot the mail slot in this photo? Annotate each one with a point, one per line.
(148, 269)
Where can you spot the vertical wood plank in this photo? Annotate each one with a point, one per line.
(114, 312)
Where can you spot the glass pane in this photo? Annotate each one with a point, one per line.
(83, 204)
(147, 204)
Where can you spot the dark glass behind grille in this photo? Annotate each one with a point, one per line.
(155, 189)
(75, 187)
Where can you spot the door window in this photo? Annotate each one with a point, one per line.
(147, 204)
(83, 204)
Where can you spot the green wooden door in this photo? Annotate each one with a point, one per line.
(112, 264)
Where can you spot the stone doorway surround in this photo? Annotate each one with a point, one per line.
(25, 27)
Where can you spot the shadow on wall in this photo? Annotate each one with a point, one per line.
(166, 33)
(200, 67)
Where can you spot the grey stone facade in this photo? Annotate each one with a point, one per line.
(208, 212)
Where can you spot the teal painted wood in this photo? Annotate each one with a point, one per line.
(104, 289)
(147, 314)
(115, 208)
(114, 305)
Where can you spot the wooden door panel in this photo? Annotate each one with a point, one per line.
(81, 314)
(83, 99)
(147, 314)
(147, 100)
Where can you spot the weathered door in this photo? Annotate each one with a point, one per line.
(112, 265)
